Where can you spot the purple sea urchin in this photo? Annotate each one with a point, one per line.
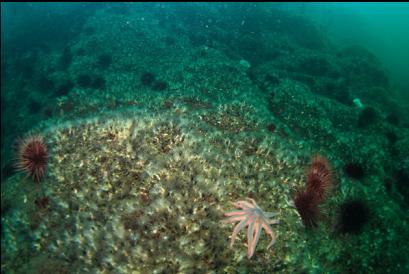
(353, 215)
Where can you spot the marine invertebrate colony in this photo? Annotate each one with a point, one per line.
(33, 156)
(255, 218)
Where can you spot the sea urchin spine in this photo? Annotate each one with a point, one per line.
(33, 157)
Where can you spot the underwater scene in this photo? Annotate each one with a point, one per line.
(204, 138)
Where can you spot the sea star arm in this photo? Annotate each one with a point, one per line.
(271, 233)
(233, 219)
(270, 214)
(243, 205)
(274, 222)
(237, 229)
(235, 213)
(254, 238)
(254, 204)
(250, 233)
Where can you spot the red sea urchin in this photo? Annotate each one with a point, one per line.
(33, 156)
(307, 206)
(320, 181)
(320, 178)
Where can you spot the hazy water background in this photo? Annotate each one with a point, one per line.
(380, 27)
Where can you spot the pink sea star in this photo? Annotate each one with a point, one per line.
(255, 218)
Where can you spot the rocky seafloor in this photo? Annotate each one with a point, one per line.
(157, 121)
